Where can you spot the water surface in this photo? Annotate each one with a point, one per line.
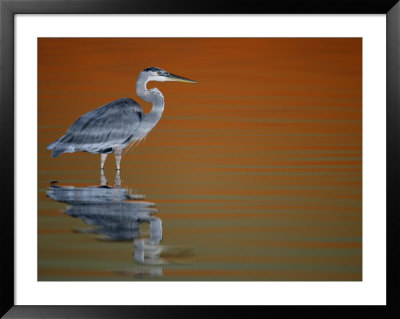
(255, 173)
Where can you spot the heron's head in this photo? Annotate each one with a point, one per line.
(157, 74)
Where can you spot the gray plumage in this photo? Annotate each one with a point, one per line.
(114, 126)
(98, 131)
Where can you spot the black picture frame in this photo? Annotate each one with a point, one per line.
(8, 8)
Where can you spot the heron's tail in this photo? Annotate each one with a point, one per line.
(57, 152)
(52, 145)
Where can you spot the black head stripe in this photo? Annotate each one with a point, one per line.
(152, 69)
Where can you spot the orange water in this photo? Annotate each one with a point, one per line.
(255, 171)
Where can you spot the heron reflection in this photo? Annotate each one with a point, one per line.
(116, 214)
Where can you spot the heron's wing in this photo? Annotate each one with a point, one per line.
(112, 125)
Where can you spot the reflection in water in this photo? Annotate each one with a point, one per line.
(116, 215)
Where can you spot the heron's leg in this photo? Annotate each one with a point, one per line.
(103, 179)
(118, 155)
(103, 159)
(117, 179)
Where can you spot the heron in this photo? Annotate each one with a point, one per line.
(119, 124)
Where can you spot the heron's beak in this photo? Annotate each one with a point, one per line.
(173, 77)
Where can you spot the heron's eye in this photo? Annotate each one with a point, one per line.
(158, 72)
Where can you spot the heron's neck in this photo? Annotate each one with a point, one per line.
(154, 96)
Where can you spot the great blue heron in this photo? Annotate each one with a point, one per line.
(112, 127)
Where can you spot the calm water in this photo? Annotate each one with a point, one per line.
(249, 175)
(273, 227)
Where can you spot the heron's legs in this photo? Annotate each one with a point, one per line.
(103, 159)
(118, 155)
